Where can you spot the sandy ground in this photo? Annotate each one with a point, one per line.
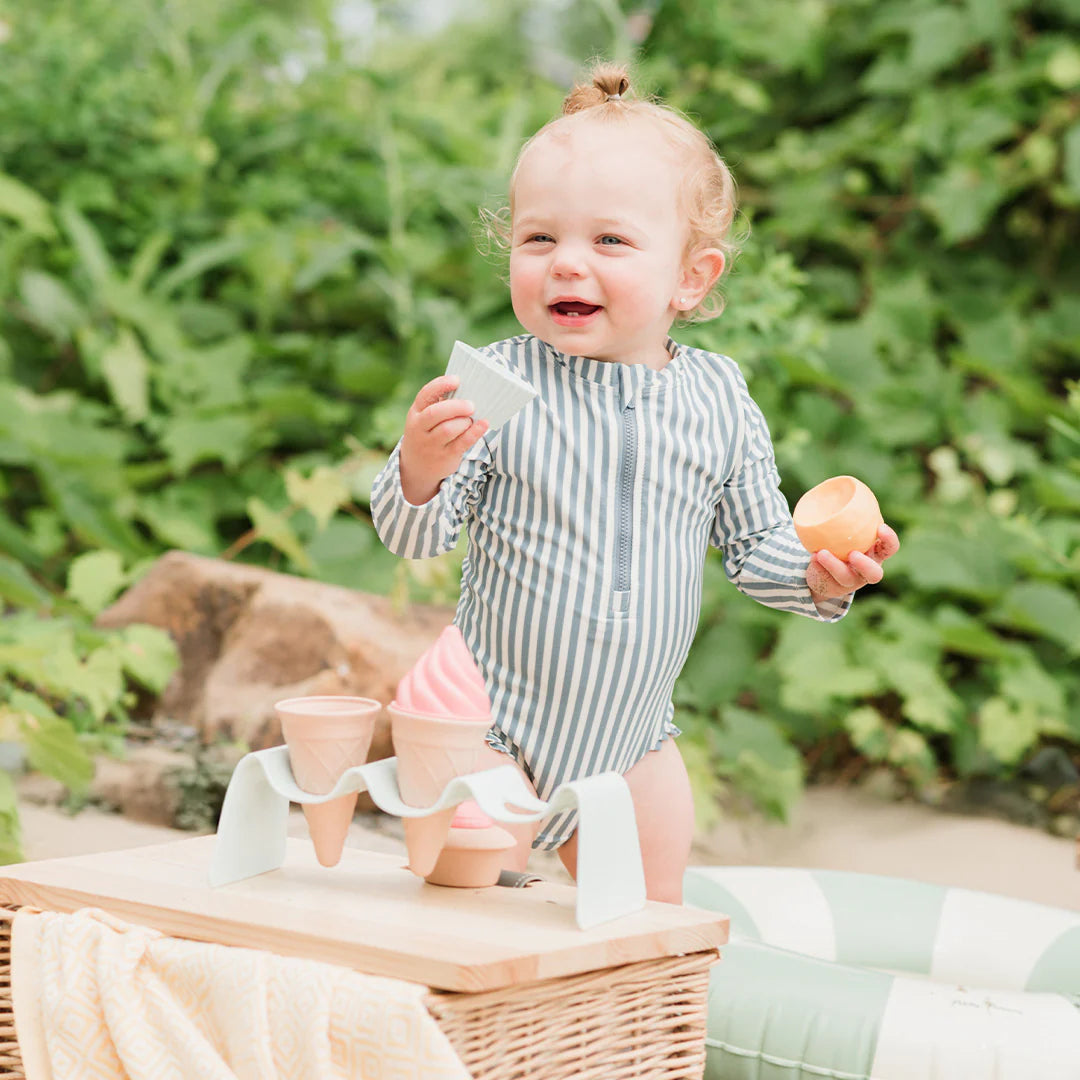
(833, 829)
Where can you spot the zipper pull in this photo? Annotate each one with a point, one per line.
(627, 389)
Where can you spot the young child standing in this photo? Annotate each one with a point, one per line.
(590, 512)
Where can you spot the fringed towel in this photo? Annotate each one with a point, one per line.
(100, 999)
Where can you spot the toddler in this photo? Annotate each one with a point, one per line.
(590, 512)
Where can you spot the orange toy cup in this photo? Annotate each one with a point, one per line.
(840, 515)
(327, 735)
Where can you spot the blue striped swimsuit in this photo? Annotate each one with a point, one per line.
(589, 515)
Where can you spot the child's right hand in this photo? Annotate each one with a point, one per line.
(438, 431)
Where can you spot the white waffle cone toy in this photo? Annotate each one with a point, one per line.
(496, 391)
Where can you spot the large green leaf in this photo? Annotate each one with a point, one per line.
(192, 440)
(211, 377)
(93, 255)
(329, 258)
(928, 703)
(1071, 146)
(814, 669)
(50, 304)
(98, 679)
(964, 634)
(181, 517)
(199, 260)
(939, 37)
(722, 662)
(322, 493)
(52, 747)
(963, 198)
(20, 544)
(869, 732)
(95, 578)
(126, 369)
(26, 206)
(19, 588)
(752, 750)
(348, 553)
(959, 562)
(1007, 730)
(274, 528)
(148, 655)
(89, 514)
(1024, 681)
(1039, 608)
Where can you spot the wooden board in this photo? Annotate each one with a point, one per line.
(367, 913)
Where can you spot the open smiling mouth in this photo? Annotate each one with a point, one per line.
(572, 310)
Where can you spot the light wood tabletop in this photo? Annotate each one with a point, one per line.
(369, 913)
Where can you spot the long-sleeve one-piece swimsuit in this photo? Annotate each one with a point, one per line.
(589, 515)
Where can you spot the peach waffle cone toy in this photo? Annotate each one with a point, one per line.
(438, 718)
(326, 736)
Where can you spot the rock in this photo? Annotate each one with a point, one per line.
(883, 784)
(145, 785)
(40, 790)
(248, 637)
(1052, 768)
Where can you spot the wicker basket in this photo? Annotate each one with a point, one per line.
(644, 1021)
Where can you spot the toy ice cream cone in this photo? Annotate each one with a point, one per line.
(326, 736)
(431, 751)
(496, 391)
(438, 721)
(840, 515)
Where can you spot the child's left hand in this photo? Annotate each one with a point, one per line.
(827, 576)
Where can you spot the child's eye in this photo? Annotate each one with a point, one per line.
(610, 241)
(540, 238)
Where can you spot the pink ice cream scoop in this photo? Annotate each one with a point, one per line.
(445, 682)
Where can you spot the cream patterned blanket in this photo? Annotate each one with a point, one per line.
(100, 999)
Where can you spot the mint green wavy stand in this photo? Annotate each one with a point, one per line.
(252, 831)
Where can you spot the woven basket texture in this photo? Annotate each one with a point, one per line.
(642, 1021)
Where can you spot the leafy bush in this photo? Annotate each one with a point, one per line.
(234, 239)
(919, 168)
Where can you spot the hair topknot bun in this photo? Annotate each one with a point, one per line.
(608, 81)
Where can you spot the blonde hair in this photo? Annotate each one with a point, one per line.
(707, 188)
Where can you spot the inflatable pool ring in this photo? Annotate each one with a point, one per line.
(843, 976)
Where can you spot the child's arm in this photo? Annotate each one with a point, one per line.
(435, 474)
(762, 555)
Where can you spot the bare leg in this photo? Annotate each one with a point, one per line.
(664, 811)
(517, 857)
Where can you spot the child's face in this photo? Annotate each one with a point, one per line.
(597, 241)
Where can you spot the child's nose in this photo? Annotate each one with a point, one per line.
(567, 262)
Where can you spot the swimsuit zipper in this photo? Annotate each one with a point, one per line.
(624, 544)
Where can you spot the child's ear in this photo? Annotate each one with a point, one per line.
(700, 273)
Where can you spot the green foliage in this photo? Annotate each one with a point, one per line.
(66, 689)
(917, 165)
(235, 238)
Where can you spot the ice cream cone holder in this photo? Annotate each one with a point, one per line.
(253, 828)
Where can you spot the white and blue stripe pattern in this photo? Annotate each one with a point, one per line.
(589, 515)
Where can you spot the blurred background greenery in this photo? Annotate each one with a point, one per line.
(237, 235)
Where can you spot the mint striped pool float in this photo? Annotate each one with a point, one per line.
(843, 976)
